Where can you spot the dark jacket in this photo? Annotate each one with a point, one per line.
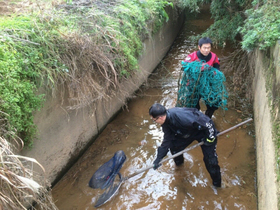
(183, 125)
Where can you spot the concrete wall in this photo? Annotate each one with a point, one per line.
(64, 134)
(265, 146)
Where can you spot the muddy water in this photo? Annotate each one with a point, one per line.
(169, 187)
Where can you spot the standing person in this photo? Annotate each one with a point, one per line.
(181, 126)
(204, 54)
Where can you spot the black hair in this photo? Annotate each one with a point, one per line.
(204, 40)
(157, 110)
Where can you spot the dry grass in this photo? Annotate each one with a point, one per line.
(239, 69)
(92, 75)
(20, 186)
(9, 7)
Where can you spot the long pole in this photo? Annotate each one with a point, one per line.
(105, 197)
(187, 149)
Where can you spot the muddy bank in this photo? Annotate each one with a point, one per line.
(64, 134)
(266, 149)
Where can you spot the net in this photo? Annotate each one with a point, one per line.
(108, 194)
(105, 175)
(199, 80)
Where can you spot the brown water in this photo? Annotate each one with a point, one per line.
(169, 187)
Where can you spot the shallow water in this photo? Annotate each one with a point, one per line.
(169, 187)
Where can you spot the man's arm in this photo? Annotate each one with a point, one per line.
(204, 124)
(216, 63)
(209, 130)
(165, 145)
(190, 58)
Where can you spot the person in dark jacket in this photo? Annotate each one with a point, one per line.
(181, 126)
(204, 54)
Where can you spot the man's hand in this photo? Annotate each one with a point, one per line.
(208, 141)
(156, 165)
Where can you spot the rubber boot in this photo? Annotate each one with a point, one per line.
(217, 183)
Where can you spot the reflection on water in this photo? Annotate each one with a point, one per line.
(169, 187)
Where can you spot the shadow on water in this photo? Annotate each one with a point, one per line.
(169, 187)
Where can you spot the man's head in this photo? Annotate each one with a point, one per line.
(204, 45)
(158, 113)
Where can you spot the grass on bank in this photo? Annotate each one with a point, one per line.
(83, 50)
(261, 29)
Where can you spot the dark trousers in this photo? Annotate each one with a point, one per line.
(209, 111)
(210, 159)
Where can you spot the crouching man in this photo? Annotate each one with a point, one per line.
(181, 126)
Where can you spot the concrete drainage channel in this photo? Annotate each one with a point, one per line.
(69, 133)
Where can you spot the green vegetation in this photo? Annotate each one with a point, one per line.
(25, 58)
(255, 23)
(262, 26)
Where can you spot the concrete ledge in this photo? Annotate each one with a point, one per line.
(265, 146)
